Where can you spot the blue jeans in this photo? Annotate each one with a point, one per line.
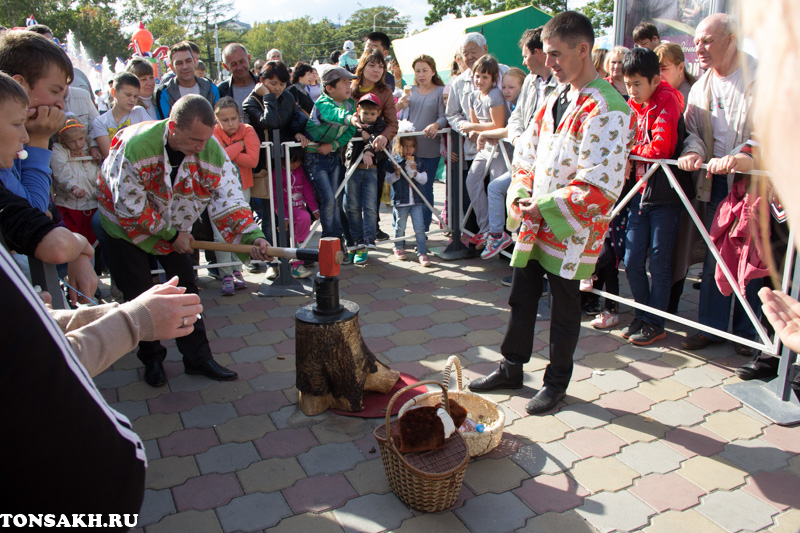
(417, 220)
(654, 228)
(496, 194)
(715, 309)
(323, 170)
(429, 165)
(360, 194)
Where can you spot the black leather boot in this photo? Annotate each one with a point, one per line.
(547, 398)
(210, 369)
(154, 374)
(508, 376)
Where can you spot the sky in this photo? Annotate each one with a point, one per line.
(253, 10)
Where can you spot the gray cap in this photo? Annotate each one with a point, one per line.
(332, 74)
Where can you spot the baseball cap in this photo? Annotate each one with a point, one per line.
(348, 46)
(332, 74)
(369, 97)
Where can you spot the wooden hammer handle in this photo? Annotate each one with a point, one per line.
(272, 251)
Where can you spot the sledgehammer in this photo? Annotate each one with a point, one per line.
(329, 256)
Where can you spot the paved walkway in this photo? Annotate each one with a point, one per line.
(647, 440)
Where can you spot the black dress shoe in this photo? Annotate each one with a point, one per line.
(698, 342)
(760, 367)
(381, 235)
(210, 369)
(547, 398)
(154, 374)
(508, 376)
(747, 351)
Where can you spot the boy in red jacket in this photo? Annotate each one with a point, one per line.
(655, 210)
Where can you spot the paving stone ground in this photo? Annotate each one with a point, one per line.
(646, 440)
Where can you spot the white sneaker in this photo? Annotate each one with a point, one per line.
(605, 320)
(273, 272)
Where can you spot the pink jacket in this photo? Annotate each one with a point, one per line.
(735, 234)
(244, 157)
(302, 192)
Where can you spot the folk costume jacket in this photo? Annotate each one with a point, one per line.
(575, 171)
(139, 203)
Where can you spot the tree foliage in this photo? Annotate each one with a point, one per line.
(601, 13)
(95, 24)
(469, 8)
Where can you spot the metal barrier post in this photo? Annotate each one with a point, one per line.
(456, 249)
(285, 284)
(45, 276)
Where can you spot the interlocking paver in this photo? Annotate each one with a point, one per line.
(540, 429)
(273, 381)
(111, 379)
(603, 473)
(713, 399)
(695, 378)
(570, 521)
(330, 458)
(584, 392)
(210, 415)
(546, 458)
(584, 415)
(256, 354)
(245, 428)
(736, 511)
(733, 425)
(624, 402)
(372, 513)
(174, 402)
(205, 521)
(318, 523)
(425, 523)
(368, 477)
(156, 426)
(663, 492)
(605, 361)
(263, 402)
(712, 473)
(673, 521)
(788, 522)
(236, 330)
(134, 410)
(271, 475)
(783, 437)
(649, 457)
(156, 505)
(755, 455)
(319, 493)
(615, 511)
(494, 475)
(229, 457)
(170, 472)
(696, 440)
(405, 353)
(677, 413)
(660, 390)
(206, 492)
(614, 380)
(593, 443)
(188, 442)
(225, 391)
(557, 493)
(494, 513)
(341, 429)
(253, 512)
(779, 489)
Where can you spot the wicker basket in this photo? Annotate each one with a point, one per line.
(428, 481)
(476, 405)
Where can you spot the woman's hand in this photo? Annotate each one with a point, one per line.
(380, 143)
(261, 89)
(431, 130)
(402, 103)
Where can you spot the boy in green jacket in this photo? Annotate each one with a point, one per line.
(331, 127)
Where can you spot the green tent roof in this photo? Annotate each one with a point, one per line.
(502, 31)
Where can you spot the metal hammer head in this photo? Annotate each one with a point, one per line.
(330, 256)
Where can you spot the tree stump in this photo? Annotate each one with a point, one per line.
(334, 365)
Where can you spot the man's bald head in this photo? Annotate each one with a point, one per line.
(715, 39)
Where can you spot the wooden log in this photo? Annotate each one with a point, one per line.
(334, 364)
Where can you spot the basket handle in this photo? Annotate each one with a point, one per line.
(453, 360)
(445, 404)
